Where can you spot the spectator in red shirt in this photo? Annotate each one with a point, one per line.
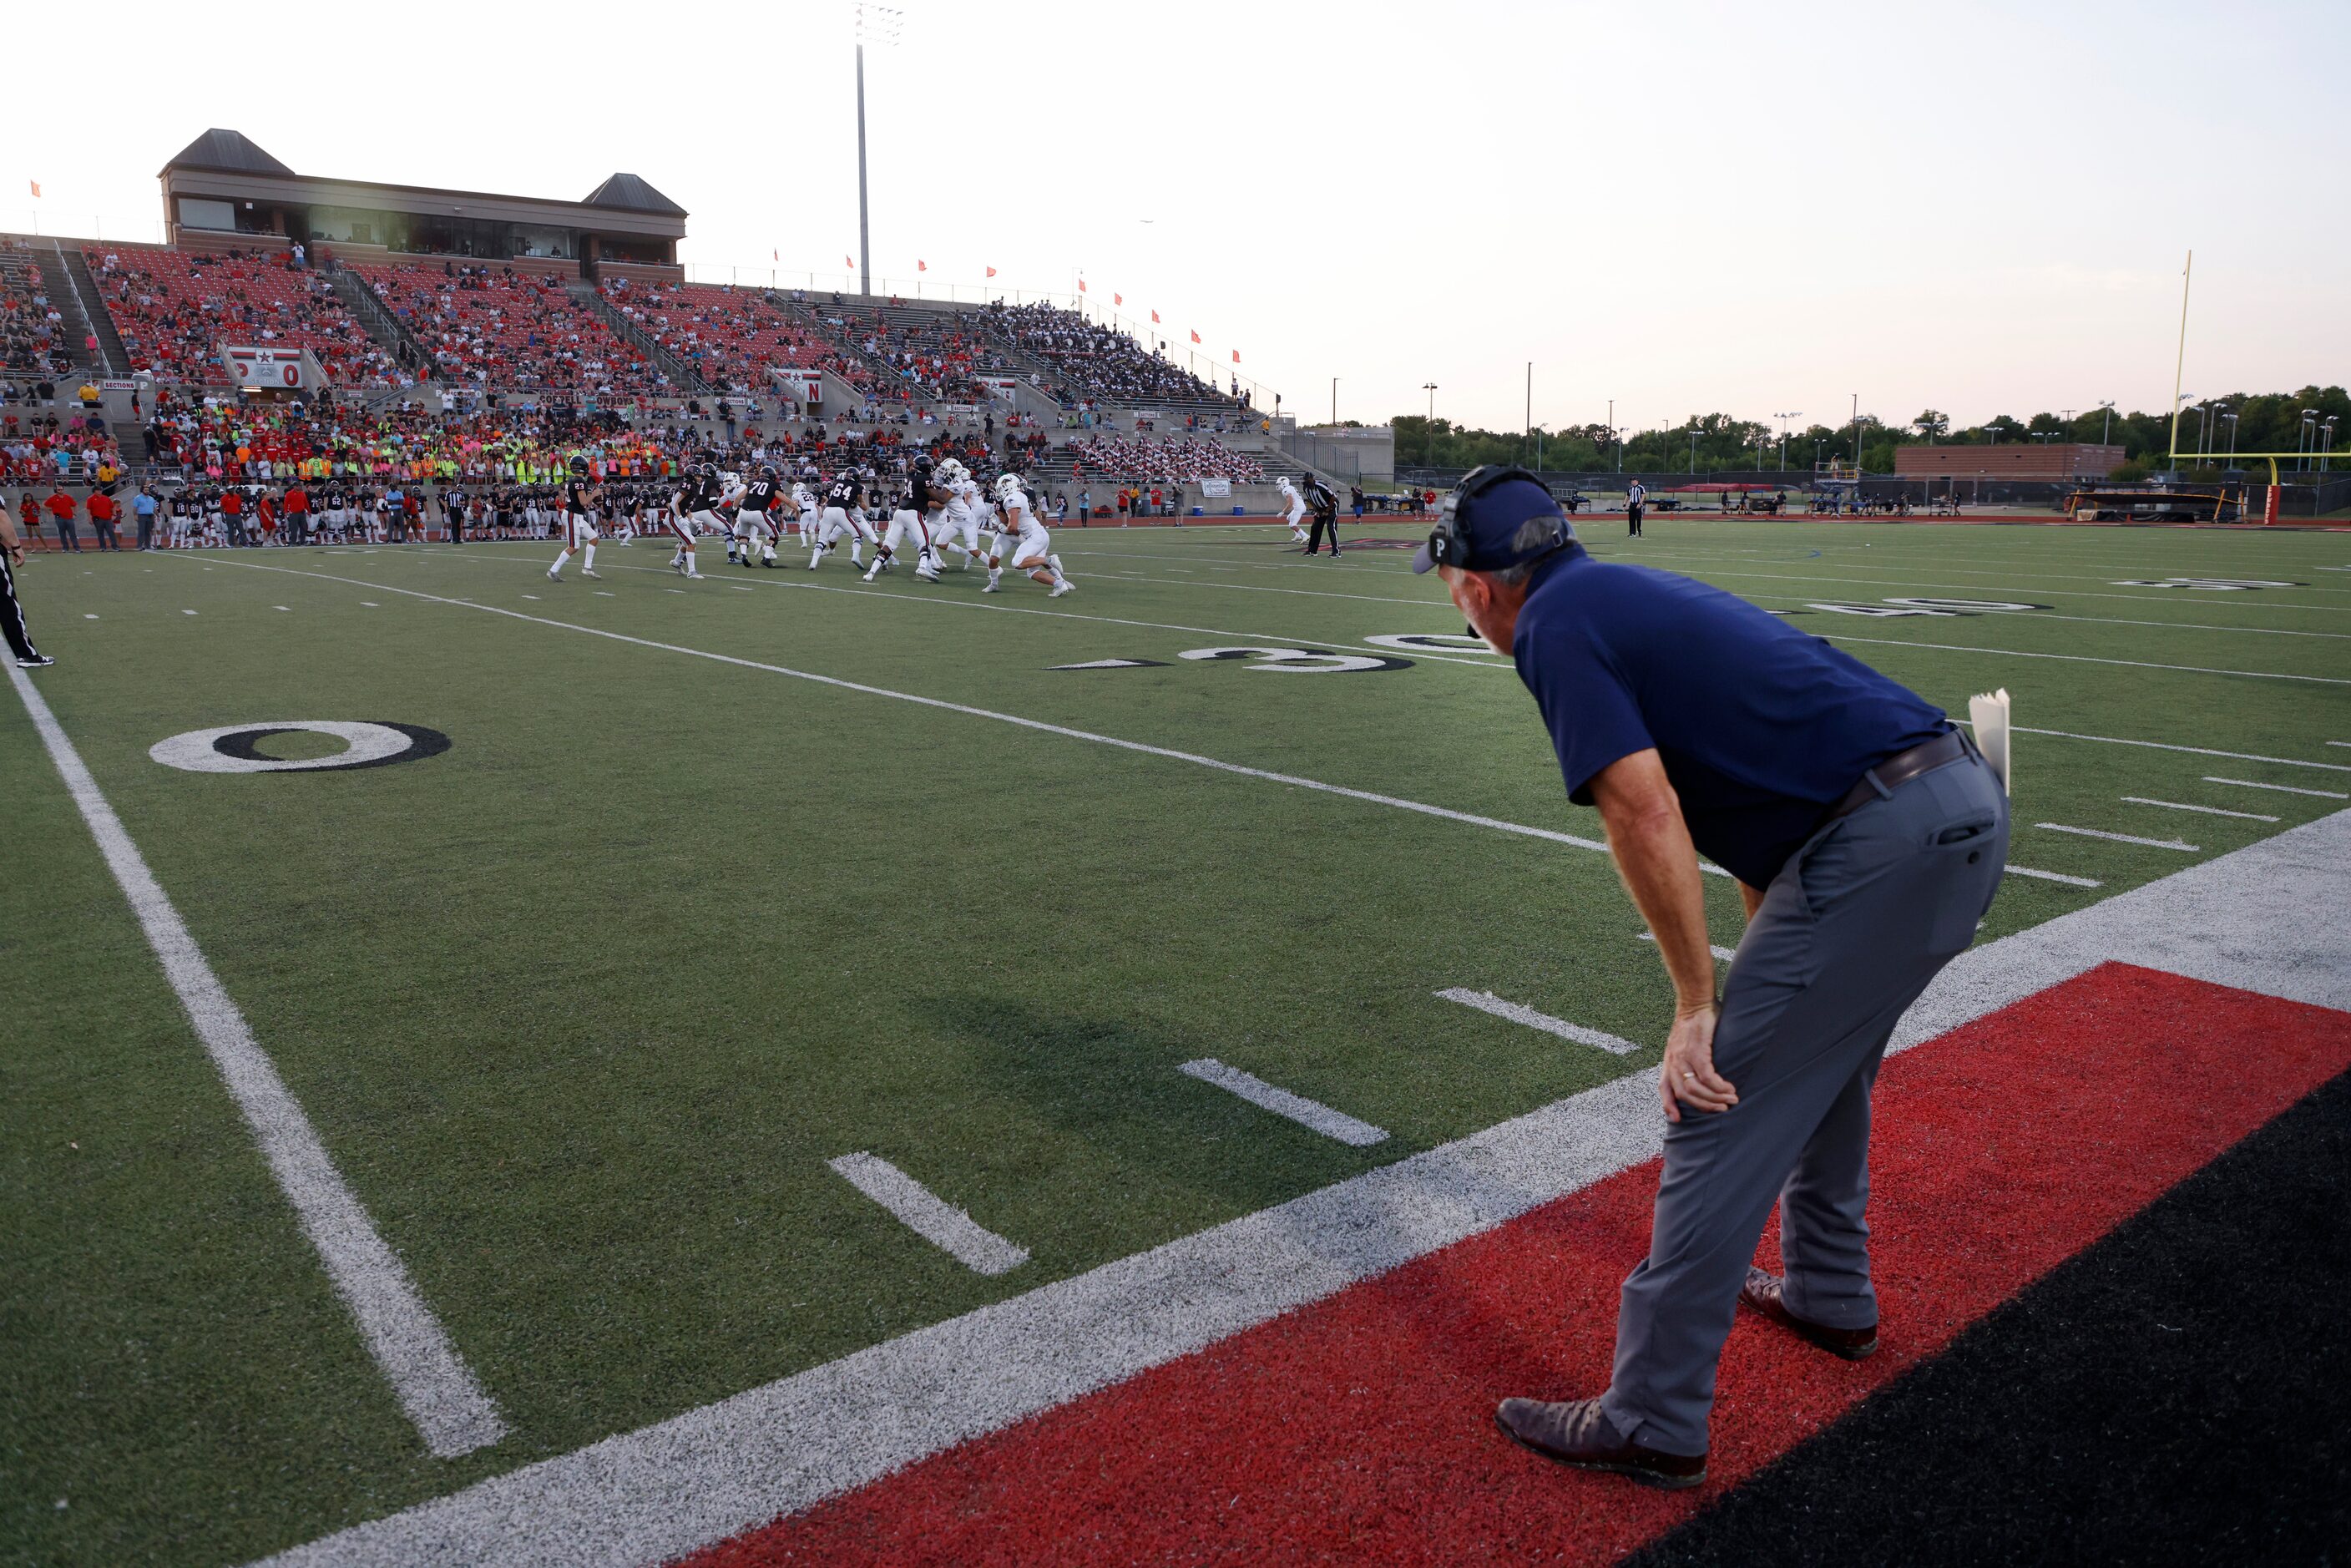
(298, 514)
(61, 506)
(101, 520)
(233, 514)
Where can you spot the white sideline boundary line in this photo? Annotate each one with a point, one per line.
(929, 1216)
(2273, 917)
(1488, 1002)
(2280, 788)
(2208, 811)
(1039, 725)
(410, 1348)
(2120, 838)
(2092, 659)
(1312, 1114)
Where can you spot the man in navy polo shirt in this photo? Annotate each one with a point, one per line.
(1867, 837)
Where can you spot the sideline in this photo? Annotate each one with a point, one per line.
(435, 1386)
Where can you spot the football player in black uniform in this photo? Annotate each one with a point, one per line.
(926, 496)
(580, 499)
(757, 512)
(843, 513)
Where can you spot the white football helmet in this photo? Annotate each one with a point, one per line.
(1007, 486)
(951, 472)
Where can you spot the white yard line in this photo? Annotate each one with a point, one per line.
(1488, 1002)
(2090, 659)
(2208, 811)
(2055, 877)
(2118, 838)
(1309, 1114)
(434, 1384)
(930, 1217)
(1039, 725)
(2280, 788)
(2192, 750)
(2273, 918)
(1725, 954)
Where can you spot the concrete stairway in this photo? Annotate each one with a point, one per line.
(65, 275)
(389, 331)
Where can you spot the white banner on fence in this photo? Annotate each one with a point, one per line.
(1216, 489)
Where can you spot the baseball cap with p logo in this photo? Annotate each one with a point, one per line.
(1479, 523)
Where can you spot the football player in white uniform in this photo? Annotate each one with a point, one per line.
(1297, 507)
(1032, 547)
(958, 524)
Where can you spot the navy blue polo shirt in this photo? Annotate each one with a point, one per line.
(1762, 726)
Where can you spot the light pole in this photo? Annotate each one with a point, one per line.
(2108, 438)
(1430, 388)
(881, 22)
(2309, 421)
(1783, 419)
(2233, 439)
(2327, 451)
(1693, 449)
(1335, 400)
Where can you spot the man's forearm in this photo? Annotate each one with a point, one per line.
(1659, 864)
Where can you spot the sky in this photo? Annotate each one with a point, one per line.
(1685, 208)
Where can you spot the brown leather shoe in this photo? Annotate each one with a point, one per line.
(1767, 1294)
(1576, 1432)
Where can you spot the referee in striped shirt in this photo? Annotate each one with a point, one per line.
(12, 614)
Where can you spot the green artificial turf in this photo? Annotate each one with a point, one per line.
(583, 1005)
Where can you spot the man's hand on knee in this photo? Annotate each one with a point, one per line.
(1687, 1076)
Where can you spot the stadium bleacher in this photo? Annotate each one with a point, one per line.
(1090, 361)
(500, 325)
(172, 309)
(1160, 460)
(32, 340)
(729, 337)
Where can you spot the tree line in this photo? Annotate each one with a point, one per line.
(1710, 443)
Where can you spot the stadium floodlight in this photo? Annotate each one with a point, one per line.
(1430, 388)
(881, 25)
(2108, 438)
(1783, 419)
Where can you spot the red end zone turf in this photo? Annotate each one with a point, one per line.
(1360, 1428)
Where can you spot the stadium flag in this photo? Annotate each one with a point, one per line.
(1154, 318)
(991, 272)
(1117, 298)
(848, 263)
(1196, 336)
(921, 265)
(1237, 355)
(36, 189)
(774, 255)
(1081, 286)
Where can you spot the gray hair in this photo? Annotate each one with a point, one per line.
(1533, 535)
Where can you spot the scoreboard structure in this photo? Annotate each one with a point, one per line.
(273, 371)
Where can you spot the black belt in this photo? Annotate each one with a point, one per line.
(1899, 770)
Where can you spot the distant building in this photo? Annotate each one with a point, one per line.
(2033, 460)
(222, 192)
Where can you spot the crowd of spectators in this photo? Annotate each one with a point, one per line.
(174, 309)
(32, 328)
(1090, 360)
(499, 326)
(900, 356)
(1165, 458)
(46, 446)
(729, 337)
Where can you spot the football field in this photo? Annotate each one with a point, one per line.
(731, 976)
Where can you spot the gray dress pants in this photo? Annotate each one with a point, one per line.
(1847, 935)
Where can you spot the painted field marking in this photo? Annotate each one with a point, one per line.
(2192, 750)
(1039, 725)
(370, 603)
(187, 613)
(2055, 877)
(1309, 1114)
(286, 608)
(87, 616)
(2208, 811)
(2346, 743)
(1725, 954)
(435, 1386)
(1488, 1002)
(530, 596)
(2118, 838)
(663, 1489)
(929, 1216)
(2280, 788)
(2091, 659)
